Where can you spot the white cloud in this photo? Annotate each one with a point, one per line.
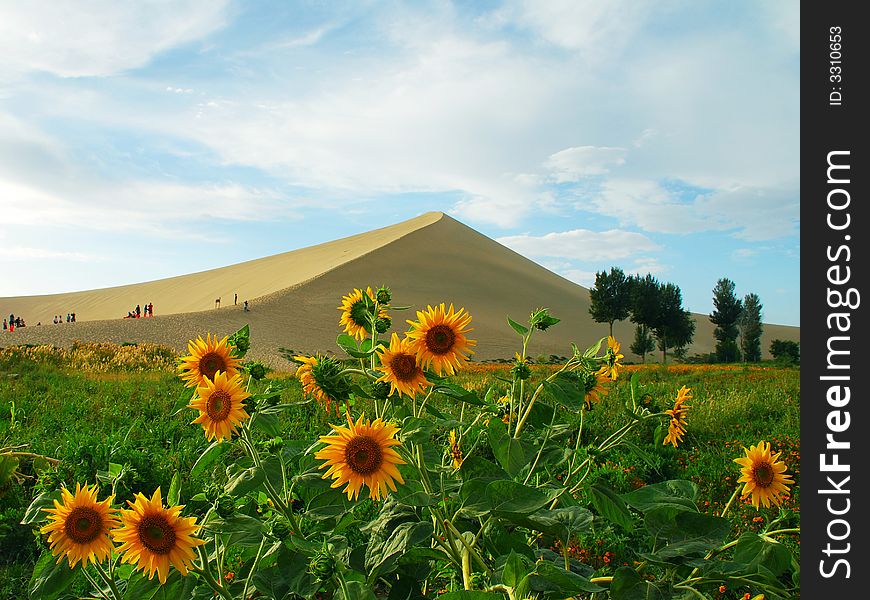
(572, 164)
(16, 253)
(581, 244)
(75, 38)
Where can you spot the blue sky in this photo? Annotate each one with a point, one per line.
(140, 140)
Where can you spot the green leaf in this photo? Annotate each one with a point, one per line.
(555, 580)
(611, 506)
(380, 555)
(562, 523)
(508, 451)
(288, 575)
(627, 584)
(140, 587)
(459, 393)
(510, 497)
(8, 468)
(674, 492)
(244, 481)
(522, 330)
(208, 457)
(567, 389)
(412, 494)
(477, 467)
(515, 568)
(357, 590)
(35, 512)
(755, 551)
(50, 578)
(471, 595)
(267, 423)
(416, 430)
(173, 496)
(239, 530)
(349, 345)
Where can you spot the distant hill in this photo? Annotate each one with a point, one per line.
(293, 297)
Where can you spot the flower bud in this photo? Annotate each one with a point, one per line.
(225, 506)
(384, 295)
(383, 324)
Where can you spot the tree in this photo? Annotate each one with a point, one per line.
(727, 311)
(674, 326)
(610, 296)
(644, 309)
(786, 351)
(751, 328)
(643, 342)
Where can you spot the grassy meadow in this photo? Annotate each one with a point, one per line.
(98, 404)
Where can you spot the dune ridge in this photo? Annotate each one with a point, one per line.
(294, 297)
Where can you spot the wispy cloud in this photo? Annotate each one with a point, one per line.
(581, 244)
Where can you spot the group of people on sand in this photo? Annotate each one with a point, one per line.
(138, 312)
(13, 322)
(70, 318)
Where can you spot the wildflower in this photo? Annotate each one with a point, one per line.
(207, 357)
(221, 406)
(356, 312)
(439, 338)
(455, 450)
(400, 368)
(79, 526)
(611, 364)
(362, 454)
(677, 426)
(153, 537)
(763, 475)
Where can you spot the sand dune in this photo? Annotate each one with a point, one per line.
(294, 296)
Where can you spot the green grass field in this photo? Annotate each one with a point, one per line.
(88, 411)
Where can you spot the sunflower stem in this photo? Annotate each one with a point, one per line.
(253, 568)
(97, 586)
(207, 575)
(110, 581)
(730, 500)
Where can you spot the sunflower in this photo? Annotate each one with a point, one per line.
(153, 537)
(207, 357)
(360, 454)
(677, 425)
(763, 475)
(322, 380)
(356, 313)
(79, 527)
(611, 364)
(455, 450)
(595, 384)
(439, 339)
(401, 371)
(221, 405)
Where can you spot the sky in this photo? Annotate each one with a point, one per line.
(141, 140)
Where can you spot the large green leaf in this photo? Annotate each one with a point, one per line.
(556, 582)
(611, 506)
(516, 567)
(8, 468)
(478, 468)
(508, 451)
(382, 554)
(562, 523)
(242, 481)
(522, 330)
(567, 389)
(627, 584)
(505, 496)
(140, 587)
(50, 578)
(35, 513)
(458, 393)
(208, 457)
(756, 551)
(674, 492)
(416, 430)
(289, 575)
(239, 529)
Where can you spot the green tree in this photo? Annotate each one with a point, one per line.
(610, 296)
(643, 342)
(644, 310)
(674, 326)
(786, 351)
(725, 316)
(751, 328)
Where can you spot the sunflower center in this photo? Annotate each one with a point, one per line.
(363, 455)
(359, 314)
(83, 525)
(440, 339)
(404, 366)
(211, 363)
(219, 405)
(157, 534)
(763, 474)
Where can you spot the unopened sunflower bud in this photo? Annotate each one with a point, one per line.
(225, 506)
(384, 295)
(258, 371)
(322, 565)
(521, 369)
(380, 390)
(281, 528)
(274, 446)
(383, 324)
(242, 344)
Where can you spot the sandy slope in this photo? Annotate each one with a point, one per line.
(294, 296)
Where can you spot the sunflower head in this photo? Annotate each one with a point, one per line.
(677, 424)
(362, 454)
(153, 537)
(206, 358)
(455, 450)
(400, 368)
(594, 384)
(79, 526)
(521, 369)
(322, 380)
(357, 309)
(221, 406)
(439, 338)
(763, 475)
(611, 364)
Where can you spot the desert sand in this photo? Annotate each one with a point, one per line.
(293, 297)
